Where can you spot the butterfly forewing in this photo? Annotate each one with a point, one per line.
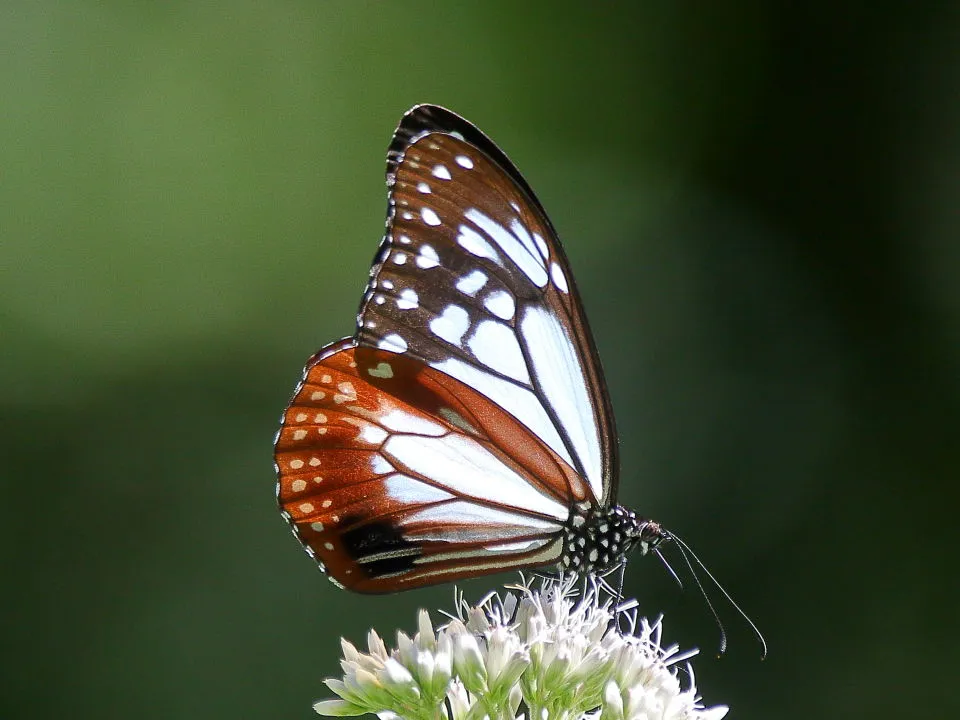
(471, 280)
(394, 475)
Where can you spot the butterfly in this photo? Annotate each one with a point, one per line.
(465, 428)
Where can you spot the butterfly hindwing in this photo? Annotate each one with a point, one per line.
(394, 475)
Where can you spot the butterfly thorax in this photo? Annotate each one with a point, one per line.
(598, 538)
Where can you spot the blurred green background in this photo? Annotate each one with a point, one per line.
(760, 203)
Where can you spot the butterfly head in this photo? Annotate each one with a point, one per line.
(645, 535)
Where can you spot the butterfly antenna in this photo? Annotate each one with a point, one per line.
(684, 550)
(669, 567)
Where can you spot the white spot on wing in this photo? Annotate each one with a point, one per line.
(380, 466)
(501, 304)
(427, 258)
(523, 255)
(473, 242)
(469, 284)
(451, 325)
(393, 342)
(408, 299)
(440, 171)
(464, 162)
(495, 345)
(347, 393)
(559, 279)
(424, 188)
(541, 245)
(429, 216)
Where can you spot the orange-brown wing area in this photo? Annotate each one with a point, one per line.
(395, 475)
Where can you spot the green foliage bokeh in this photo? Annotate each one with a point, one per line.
(759, 202)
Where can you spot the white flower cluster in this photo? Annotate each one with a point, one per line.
(542, 654)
